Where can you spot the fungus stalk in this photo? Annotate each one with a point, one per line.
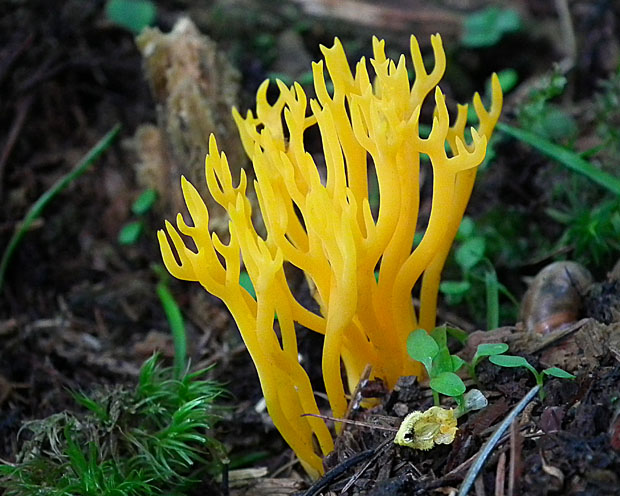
(325, 227)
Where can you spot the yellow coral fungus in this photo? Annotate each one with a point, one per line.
(323, 225)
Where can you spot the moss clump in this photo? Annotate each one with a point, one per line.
(152, 440)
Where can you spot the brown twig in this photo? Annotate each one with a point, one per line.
(336, 472)
(500, 475)
(359, 473)
(351, 422)
(479, 487)
(356, 396)
(516, 445)
(491, 443)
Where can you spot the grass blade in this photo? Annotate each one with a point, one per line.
(492, 291)
(177, 325)
(37, 208)
(566, 157)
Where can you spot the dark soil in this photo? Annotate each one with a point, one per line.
(79, 310)
(565, 444)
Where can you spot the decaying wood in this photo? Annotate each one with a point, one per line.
(195, 87)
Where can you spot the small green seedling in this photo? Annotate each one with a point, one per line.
(432, 351)
(478, 275)
(133, 15)
(130, 233)
(484, 350)
(512, 361)
(487, 27)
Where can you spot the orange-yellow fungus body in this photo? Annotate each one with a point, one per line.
(322, 224)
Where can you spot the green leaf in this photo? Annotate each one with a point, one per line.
(77, 458)
(454, 288)
(422, 347)
(555, 124)
(133, 15)
(246, 283)
(454, 291)
(508, 79)
(424, 132)
(457, 362)
(466, 229)
(130, 233)
(448, 383)
(512, 361)
(459, 334)
(144, 202)
(490, 349)
(509, 361)
(244, 460)
(440, 337)
(486, 27)
(470, 252)
(558, 372)
(442, 362)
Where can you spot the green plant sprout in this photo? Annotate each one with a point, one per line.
(431, 350)
(541, 116)
(593, 233)
(511, 361)
(484, 350)
(134, 15)
(486, 27)
(471, 256)
(130, 233)
(152, 440)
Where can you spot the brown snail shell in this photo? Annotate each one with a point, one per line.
(555, 297)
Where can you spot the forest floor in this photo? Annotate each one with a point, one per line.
(79, 309)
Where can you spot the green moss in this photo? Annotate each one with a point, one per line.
(150, 440)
